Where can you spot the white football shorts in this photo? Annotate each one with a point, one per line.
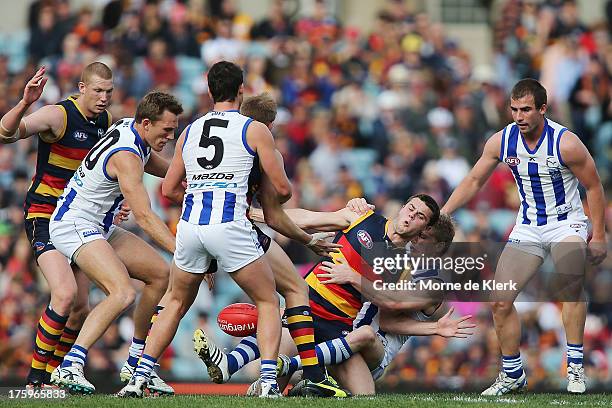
(233, 244)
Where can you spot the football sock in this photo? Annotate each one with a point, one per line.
(48, 333)
(512, 365)
(77, 355)
(145, 366)
(65, 343)
(301, 327)
(267, 372)
(245, 352)
(135, 351)
(575, 354)
(329, 352)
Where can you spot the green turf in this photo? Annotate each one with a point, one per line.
(420, 400)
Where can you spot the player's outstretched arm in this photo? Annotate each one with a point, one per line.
(157, 165)
(172, 186)
(278, 220)
(127, 168)
(261, 141)
(445, 327)
(577, 158)
(13, 125)
(313, 220)
(476, 178)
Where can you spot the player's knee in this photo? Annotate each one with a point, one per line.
(297, 292)
(178, 305)
(162, 278)
(363, 336)
(125, 297)
(63, 299)
(501, 308)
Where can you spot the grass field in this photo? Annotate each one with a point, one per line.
(420, 400)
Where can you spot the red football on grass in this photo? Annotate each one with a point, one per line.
(238, 319)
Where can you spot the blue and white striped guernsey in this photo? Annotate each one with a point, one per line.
(218, 162)
(548, 189)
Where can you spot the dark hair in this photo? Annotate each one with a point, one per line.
(261, 107)
(530, 86)
(443, 232)
(97, 68)
(153, 105)
(431, 204)
(224, 80)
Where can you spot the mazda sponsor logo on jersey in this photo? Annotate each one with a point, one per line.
(80, 135)
(365, 239)
(213, 176)
(512, 161)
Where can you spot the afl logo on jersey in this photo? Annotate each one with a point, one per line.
(512, 161)
(364, 239)
(80, 136)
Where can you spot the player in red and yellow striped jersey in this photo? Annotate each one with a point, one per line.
(363, 238)
(66, 132)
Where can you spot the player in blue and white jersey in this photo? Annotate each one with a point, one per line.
(548, 163)
(82, 227)
(216, 153)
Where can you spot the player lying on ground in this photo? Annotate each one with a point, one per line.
(288, 282)
(376, 347)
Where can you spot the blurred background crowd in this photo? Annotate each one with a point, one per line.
(384, 113)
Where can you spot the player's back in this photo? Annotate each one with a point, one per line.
(92, 194)
(547, 187)
(218, 162)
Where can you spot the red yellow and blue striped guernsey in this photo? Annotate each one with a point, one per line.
(59, 156)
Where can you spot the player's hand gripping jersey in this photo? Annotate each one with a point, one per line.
(91, 194)
(362, 242)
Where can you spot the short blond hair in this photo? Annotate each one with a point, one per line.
(98, 69)
(261, 108)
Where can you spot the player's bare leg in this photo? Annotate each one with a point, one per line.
(355, 375)
(506, 320)
(77, 317)
(362, 340)
(295, 291)
(569, 257)
(147, 266)
(257, 281)
(99, 262)
(63, 287)
(184, 289)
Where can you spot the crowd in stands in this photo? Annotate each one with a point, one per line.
(383, 114)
